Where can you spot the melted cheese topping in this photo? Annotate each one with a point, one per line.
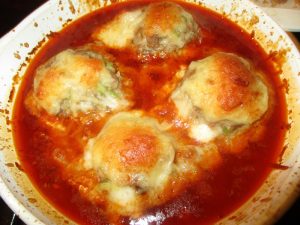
(137, 162)
(134, 155)
(167, 27)
(76, 81)
(218, 93)
(132, 150)
(157, 29)
(203, 132)
(113, 33)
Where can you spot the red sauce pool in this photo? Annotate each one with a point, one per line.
(219, 192)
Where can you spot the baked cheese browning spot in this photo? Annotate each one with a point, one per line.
(167, 27)
(139, 149)
(132, 150)
(158, 29)
(76, 81)
(220, 93)
(235, 78)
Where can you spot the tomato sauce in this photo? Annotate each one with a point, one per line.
(218, 192)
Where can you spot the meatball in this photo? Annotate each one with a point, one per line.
(132, 150)
(167, 27)
(141, 164)
(220, 92)
(76, 81)
(158, 29)
(134, 155)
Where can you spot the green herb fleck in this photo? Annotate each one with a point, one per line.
(113, 93)
(109, 65)
(226, 130)
(177, 32)
(104, 91)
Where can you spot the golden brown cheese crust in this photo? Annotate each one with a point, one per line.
(140, 164)
(158, 29)
(167, 27)
(139, 149)
(134, 156)
(135, 150)
(219, 93)
(131, 150)
(76, 81)
(161, 16)
(224, 87)
(234, 81)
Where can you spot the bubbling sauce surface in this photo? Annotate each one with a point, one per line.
(218, 191)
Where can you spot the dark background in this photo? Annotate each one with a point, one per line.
(11, 13)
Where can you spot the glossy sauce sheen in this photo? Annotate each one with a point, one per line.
(219, 192)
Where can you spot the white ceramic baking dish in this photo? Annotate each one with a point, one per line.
(19, 45)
